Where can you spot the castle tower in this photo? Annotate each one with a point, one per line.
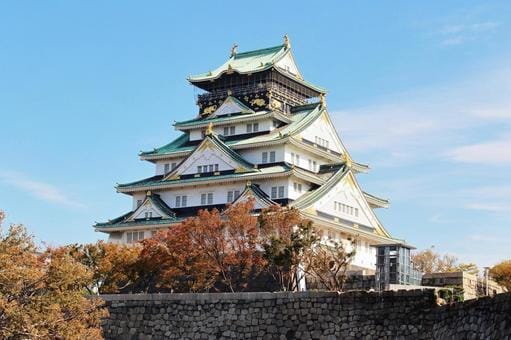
(261, 131)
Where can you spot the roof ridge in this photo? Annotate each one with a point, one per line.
(259, 51)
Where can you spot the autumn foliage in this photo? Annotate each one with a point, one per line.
(42, 295)
(501, 273)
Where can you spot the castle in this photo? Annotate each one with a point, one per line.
(261, 131)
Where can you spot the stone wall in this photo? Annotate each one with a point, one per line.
(305, 315)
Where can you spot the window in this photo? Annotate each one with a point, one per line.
(229, 130)
(181, 201)
(203, 133)
(312, 165)
(207, 168)
(232, 195)
(139, 203)
(148, 214)
(297, 187)
(249, 128)
(265, 157)
(272, 156)
(173, 166)
(134, 236)
(281, 192)
(321, 142)
(166, 168)
(256, 127)
(206, 199)
(273, 192)
(295, 159)
(346, 209)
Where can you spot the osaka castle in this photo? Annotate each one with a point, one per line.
(261, 131)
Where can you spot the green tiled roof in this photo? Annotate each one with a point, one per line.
(156, 181)
(125, 220)
(312, 196)
(136, 223)
(215, 120)
(257, 192)
(301, 119)
(228, 151)
(245, 62)
(252, 62)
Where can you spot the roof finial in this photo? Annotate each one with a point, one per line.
(287, 43)
(347, 160)
(209, 130)
(249, 183)
(148, 193)
(322, 99)
(234, 50)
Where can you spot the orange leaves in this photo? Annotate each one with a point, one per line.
(501, 273)
(42, 295)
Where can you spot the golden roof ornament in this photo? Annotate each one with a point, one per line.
(209, 130)
(287, 43)
(229, 92)
(229, 69)
(148, 193)
(249, 183)
(347, 160)
(322, 100)
(234, 50)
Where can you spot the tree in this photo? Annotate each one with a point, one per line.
(114, 266)
(287, 238)
(501, 273)
(211, 248)
(428, 261)
(328, 263)
(42, 295)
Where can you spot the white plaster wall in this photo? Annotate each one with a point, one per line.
(136, 197)
(365, 254)
(345, 193)
(295, 194)
(219, 191)
(241, 128)
(323, 129)
(304, 157)
(255, 155)
(206, 157)
(160, 165)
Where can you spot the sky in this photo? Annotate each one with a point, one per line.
(419, 91)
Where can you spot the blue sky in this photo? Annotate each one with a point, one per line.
(422, 93)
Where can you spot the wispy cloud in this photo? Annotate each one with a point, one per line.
(40, 190)
(496, 152)
(444, 122)
(457, 34)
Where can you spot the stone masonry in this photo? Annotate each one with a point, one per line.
(305, 315)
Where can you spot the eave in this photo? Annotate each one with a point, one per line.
(376, 201)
